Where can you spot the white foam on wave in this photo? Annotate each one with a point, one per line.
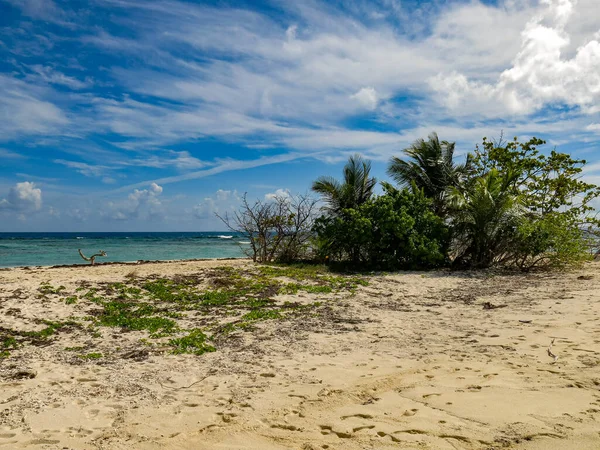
(244, 242)
(79, 237)
(225, 237)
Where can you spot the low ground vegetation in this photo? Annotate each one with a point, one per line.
(183, 314)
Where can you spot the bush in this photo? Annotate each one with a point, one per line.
(549, 242)
(396, 230)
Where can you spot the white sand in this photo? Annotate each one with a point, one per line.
(412, 361)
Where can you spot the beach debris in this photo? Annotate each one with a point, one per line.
(526, 321)
(585, 277)
(92, 258)
(490, 305)
(550, 354)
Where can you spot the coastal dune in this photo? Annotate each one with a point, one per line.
(409, 360)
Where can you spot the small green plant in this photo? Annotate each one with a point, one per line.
(194, 342)
(70, 300)
(7, 343)
(51, 328)
(91, 356)
(46, 288)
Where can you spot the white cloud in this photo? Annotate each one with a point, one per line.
(23, 197)
(10, 154)
(593, 127)
(223, 195)
(40, 9)
(24, 111)
(367, 97)
(279, 193)
(49, 75)
(540, 72)
(85, 169)
(219, 203)
(206, 209)
(181, 160)
(141, 203)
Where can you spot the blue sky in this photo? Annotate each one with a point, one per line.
(143, 115)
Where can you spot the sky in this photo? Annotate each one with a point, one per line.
(153, 115)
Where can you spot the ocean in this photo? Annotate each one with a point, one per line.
(48, 249)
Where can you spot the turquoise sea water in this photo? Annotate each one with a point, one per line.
(47, 249)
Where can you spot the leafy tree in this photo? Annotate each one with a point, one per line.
(395, 230)
(430, 166)
(356, 188)
(556, 201)
(546, 183)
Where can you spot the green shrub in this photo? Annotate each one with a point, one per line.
(395, 230)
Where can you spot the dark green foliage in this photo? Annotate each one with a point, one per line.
(395, 230)
(507, 203)
(555, 203)
(545, 183)
(485, 219)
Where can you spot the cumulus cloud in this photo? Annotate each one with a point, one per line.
(141, 203)
(23, 197)
(205, 209)
(279, 193)
(540, 72)
(218, 203)
(367, 97)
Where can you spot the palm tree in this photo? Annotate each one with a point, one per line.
(356, 188)
(430, 167)
(484, 218)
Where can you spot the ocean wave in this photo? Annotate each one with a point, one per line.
(225, 237)
(79, 237)
(244, 242)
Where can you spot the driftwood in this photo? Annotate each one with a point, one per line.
(92, 258)
(550, 354)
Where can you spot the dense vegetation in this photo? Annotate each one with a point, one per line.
(505, 204)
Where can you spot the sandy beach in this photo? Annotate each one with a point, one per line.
(306, 360)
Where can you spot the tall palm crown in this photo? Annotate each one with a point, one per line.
(485, 216)
(430, 167)
(356, 188)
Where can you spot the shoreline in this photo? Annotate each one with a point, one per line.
(125, 263)
(229, 354)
